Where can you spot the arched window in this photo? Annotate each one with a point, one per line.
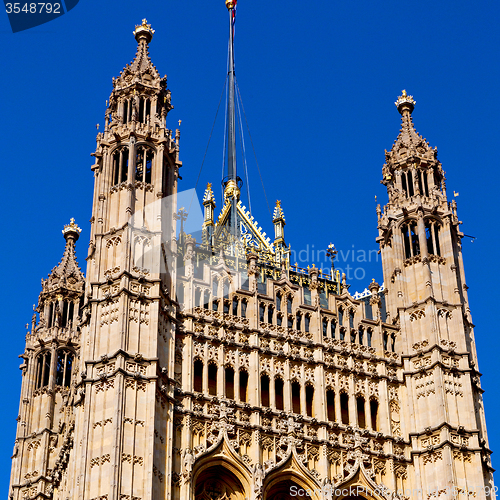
(144, 164)
(351, 319)
(289, 304)
(206, 300)
(212, 379)
(290, 321)
(309, 400)
(374, 414)
(341, 316)
(198, 375)
(180, 294)
(64, 319)
(125, 111)
(407, 183)
(342, 334)
(393, 342)
(298, 322)
(43, 369)
(64, 368)
(226, 306)
(244, 304)
(386, 341)
(264, 390)
(361, 334)
(229, 380)
(278, 302)
(330, 405)
(344, 408)
(270, 314)
(410, 239)
(279, 319)
(215, 305)
(225, 289)
(120, 165)
(50, 320)
(243, 386)
(369, 335)
(325, 327)
(197, 297)
(295, 397)
(332, 328)
(278, 394)
(360, 404)
(141, 110)
(432, 237)
(235, 306)
(262, 312)
(307, 322)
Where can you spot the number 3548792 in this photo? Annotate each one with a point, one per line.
(33, 8)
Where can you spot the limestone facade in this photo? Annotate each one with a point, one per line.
(213, 369)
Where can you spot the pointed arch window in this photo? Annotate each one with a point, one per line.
(360, 403)
(235, 306)
(309, 400)
(410, 239)
(197, 297)
(264, 390)
(407, 183)
(244, 305)
(295, 397)
(369, 335)
(278, 394)
(125, 111)
(344, 408)
(432, 237)
(361, 334)
(229, 380)
(270, 314)
(307, 322)
(262, 312)
(374, 414)
(43, 369)
(243, 386)
(212, 379)
(325, 327)
(64, 367)
(198, 375)
(120, 165)
(298, 321)
(332, 328)
(278, 302)
(289, 303)
(330, 405)
(144, 164)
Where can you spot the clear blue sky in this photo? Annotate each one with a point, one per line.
(318, 86)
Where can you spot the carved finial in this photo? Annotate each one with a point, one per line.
(405, 101)
(71, 230)
(231, 4)
(144, 31)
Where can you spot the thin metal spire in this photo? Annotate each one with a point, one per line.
(231, 160)
(231, 188)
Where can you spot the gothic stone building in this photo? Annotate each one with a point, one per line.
(212, 368)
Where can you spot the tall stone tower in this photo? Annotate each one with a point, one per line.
(46, 419)
(420, 241)
(219, 370)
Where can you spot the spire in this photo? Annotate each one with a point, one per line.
(231, 188)
(67, 273)
(409, 142)
(279, 224)
(209, 206)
